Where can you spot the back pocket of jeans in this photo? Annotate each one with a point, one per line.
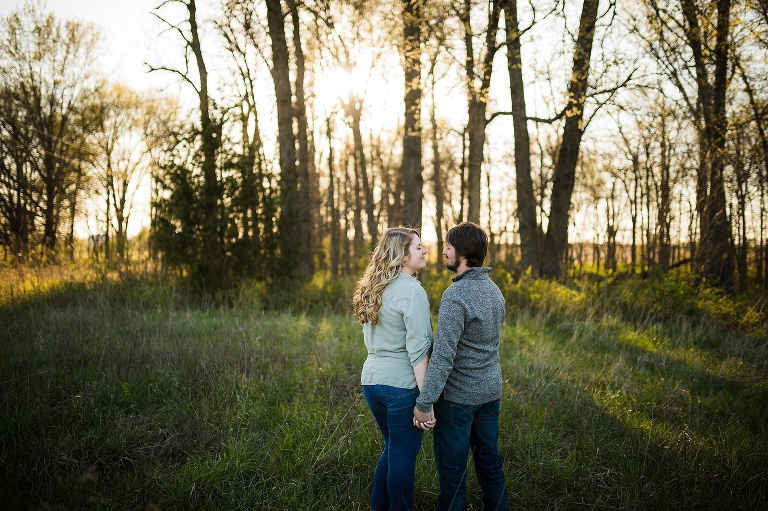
(461, 414)
(398, 393)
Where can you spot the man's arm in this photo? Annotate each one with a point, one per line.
(421, 419)
(450, 326)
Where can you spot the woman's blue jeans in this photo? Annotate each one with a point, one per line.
(460, 428)
(395, 474)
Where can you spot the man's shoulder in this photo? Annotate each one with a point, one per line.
(454, 293)
(479, 288)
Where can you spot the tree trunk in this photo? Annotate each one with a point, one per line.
(210, 262)
(720, 265)
(288, 224)
(714, 258)
(344, 208)
(556, 239)
(358, 208)
(73, 211)
(463, 177)
(354, 110)
(437, 177)
(477, 100)
(635, 208)
(741, 171)
(763, 138)
(51, 187)
(611, 230)
(526, 201)
(650, 252)
(411, 167)
(664, 197)
(335, 230)
(762, 252)
(476, 144)
(304, 193)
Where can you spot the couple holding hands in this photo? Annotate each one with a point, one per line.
(451, 384)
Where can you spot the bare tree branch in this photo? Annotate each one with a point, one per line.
(171, 70)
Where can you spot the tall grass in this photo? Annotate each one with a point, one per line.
(131, 395)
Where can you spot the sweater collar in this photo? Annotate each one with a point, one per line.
(473, 273)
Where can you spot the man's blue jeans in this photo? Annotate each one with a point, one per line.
(460, 428)
(395, 475)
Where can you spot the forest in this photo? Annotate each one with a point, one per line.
(609, 136)
(178, 260)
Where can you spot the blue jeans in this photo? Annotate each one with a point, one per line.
(460, 428)
(395, 474)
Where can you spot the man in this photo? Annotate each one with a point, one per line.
(463, 381)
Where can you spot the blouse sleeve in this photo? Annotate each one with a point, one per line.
(418, 327)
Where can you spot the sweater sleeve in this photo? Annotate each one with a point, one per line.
(450, 325)
(418, 327)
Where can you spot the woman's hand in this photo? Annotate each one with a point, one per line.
(424, 421)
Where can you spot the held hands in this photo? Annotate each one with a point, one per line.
(424, 421)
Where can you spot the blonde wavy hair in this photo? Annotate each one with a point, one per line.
(384, 267)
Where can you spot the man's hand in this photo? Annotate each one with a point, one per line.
(425, 421)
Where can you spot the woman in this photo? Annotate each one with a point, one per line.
(393, 308)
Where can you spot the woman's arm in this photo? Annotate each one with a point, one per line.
(421, 420)
(420, 370)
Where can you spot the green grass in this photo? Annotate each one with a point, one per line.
(129, 396)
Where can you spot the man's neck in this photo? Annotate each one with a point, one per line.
(462, 267)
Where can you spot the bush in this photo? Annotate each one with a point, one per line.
(669, 297)
(322, 294)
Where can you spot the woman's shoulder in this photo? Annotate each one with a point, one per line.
(406, 286)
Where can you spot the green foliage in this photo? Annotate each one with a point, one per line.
(435, 283)
(321, 294)
(215, 241)
(668, 297)
(544, 297)
(176, 225)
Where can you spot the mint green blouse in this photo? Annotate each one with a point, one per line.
(401, 338)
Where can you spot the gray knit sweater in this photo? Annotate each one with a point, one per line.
(465, 357)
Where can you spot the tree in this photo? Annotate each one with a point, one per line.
(121, 159)
(437, 133)
(48, 70)
(208, 264)
(759, 118)
(478, 81)
(252, 234)
(556, 239)
(700, 31)
(291, 249)
(526, 201)
(349, 31)
(17, 192)
(303, 180)
(411, 169)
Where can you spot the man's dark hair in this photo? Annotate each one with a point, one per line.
(470, 241)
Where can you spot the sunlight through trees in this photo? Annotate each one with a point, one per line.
(595, 136)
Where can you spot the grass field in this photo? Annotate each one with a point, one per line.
(646, 395)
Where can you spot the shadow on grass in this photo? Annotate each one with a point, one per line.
(595, 422)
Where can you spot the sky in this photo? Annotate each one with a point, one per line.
(130, 38)
(128, 30)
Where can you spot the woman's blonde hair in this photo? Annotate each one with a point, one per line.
(384, 267)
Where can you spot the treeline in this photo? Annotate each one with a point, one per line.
(317, 123)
